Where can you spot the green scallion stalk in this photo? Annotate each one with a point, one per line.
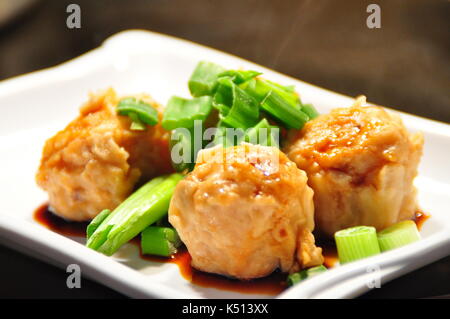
(356, 243)
(283, 112)
(286, 88)
(295, 278)
(224, 96)
(138, 109)
(160, 241)
(203, 79)
(237, 108)
(144, 207)
(260, 88)
(183, 112)
(136, 123)
(240, 76)
(93, 225)
(400, 234)
(310, 110)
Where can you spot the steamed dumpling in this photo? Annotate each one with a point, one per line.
(245, 211)
(361, 163)
(96, 161)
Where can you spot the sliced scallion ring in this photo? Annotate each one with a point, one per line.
(356, 243)
(400, 234)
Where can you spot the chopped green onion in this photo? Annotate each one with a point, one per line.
(260, 88)
(100, 235)
(160, 241)
(240, 76)
(310, 110)
(93, 225)
(356, 243)
(237, 108)
(286, 88)
(263, 134)
(400, 234)
(203, 79)
(136, 123)
(145, 112)
(295, 278)
(183, 112)
(144, 207)
(223, 97)
(275, 105)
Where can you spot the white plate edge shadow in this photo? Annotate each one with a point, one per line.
(130, 282)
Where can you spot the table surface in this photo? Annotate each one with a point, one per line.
(404, 65)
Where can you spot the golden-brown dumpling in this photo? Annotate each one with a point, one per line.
(95, 162)
(245, 211)
(361, 163)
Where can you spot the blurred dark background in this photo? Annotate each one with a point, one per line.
(404, 65)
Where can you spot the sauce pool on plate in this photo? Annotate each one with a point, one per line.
(59, 225)
(421, 218)
(270, 285)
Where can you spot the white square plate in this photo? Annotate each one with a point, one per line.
(35, 106)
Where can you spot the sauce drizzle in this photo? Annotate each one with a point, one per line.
(59, 225)
(270, 285)
(420, 219)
